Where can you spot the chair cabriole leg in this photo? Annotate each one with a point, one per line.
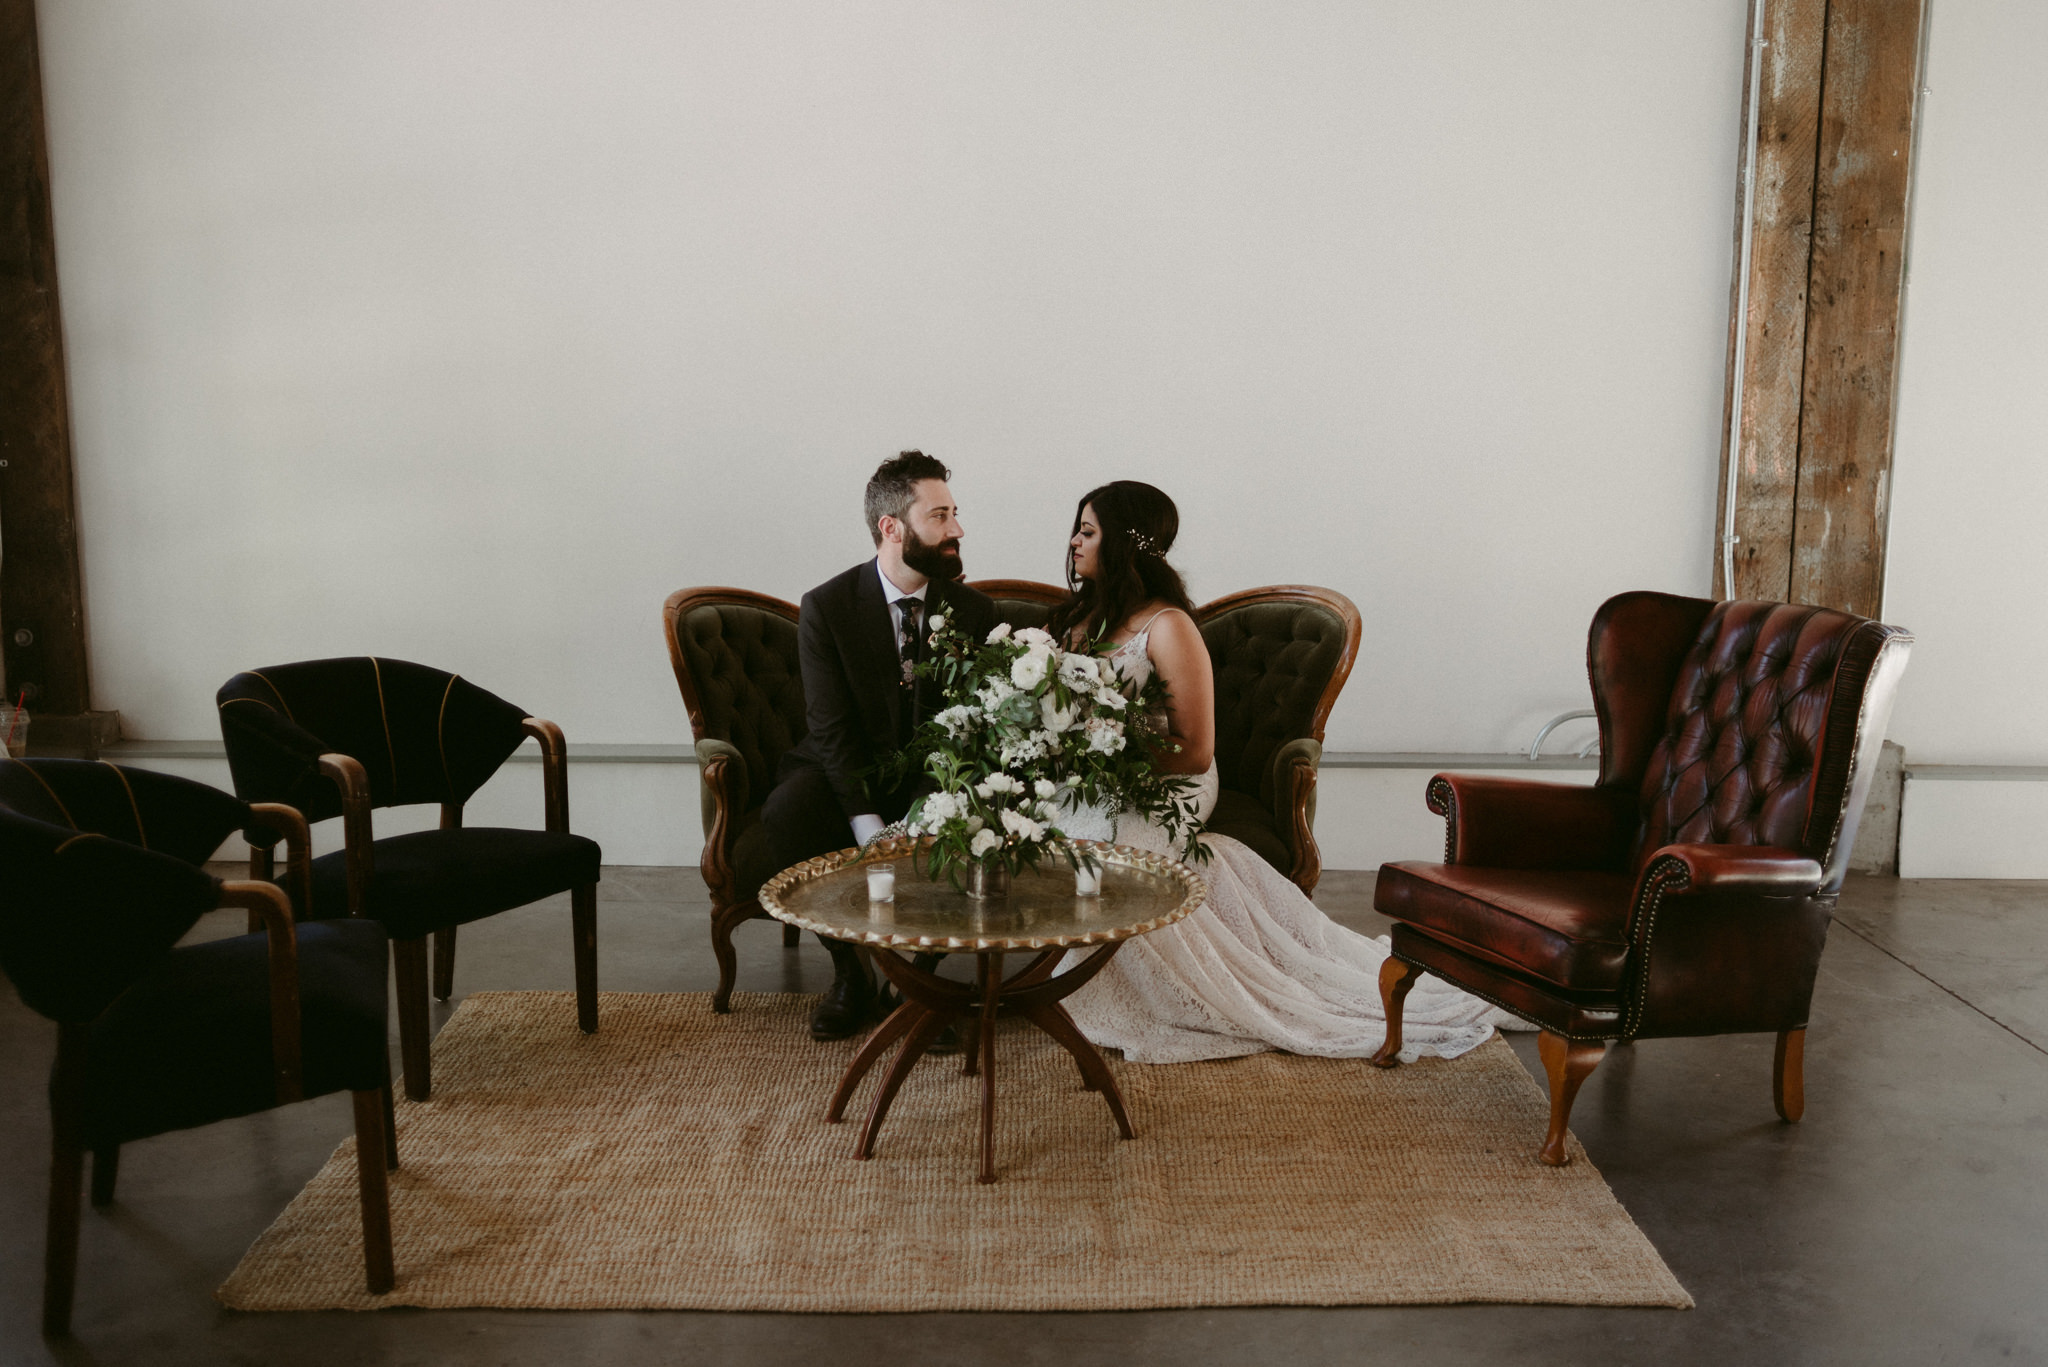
(723, 919)
(1788, 1074)
(409, 958)
(1569, 1063)
(106, 1169)
(1397, 976)
(583, 918)
(444, 963)
(374, 1190)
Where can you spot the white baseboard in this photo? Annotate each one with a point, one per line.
(1974, 821)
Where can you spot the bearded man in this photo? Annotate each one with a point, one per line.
(859, 637)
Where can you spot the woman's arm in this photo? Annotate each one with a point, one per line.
(1181, 660)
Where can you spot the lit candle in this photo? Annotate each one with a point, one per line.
(881, 882)
(1087, 881)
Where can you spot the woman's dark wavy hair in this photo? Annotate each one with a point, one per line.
(1138, 524)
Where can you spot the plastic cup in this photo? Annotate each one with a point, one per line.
(881, 882)
(14, 729)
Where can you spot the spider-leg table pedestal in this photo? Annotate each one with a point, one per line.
(1041, 916)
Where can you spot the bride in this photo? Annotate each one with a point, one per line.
(1257, 966)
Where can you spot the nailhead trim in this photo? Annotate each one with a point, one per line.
(1665, 875)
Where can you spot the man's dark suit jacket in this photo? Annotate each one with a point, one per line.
(854, 701)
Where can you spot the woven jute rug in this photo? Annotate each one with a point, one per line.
(679, 1159)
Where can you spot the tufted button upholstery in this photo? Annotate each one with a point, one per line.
(1272, 662)
(1746, 724)
(742, 660)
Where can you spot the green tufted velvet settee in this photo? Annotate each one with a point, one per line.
(1281, 656)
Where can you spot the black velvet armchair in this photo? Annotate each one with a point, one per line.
(735, 659)
(1688, 892)
(101, 880)
(343, 737)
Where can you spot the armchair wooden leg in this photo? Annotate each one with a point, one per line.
(792, 936)
(375, 1192)
(723, 921)
(409, 958)
(444, 963)
(106, 1167)
(583, 915)
(1397, 976)
(60, 1238)
(390, 1125)
(1788, 1074)
(1569, 1063)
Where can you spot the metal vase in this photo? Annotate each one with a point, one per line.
(988, 882)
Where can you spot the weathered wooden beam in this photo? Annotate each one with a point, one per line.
(42, 597)
(1837, 95)
(1868, 101)
(1774, 351)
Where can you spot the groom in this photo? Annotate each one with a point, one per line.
(858, 637)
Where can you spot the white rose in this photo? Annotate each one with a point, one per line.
(1002, 630)
(938, 622)
(974, 824)
(1045, 788)
(1028, 670)
(1057, 718)
(1036, 637)
(984, 790)
(983, 842)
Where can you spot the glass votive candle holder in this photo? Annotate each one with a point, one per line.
(881, 882)
(1087, 881)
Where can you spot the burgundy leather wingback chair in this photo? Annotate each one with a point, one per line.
(1688, 891)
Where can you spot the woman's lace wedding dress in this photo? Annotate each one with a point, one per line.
(1257, 967)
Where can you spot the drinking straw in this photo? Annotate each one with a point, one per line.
(15, 718)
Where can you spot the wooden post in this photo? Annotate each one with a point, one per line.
(1837, 98)
(42, 597)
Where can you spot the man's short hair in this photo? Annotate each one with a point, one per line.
(894, 487)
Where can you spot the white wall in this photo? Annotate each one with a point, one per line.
(1969, 529)
(465, 331)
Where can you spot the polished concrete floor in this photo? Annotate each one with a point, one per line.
(1905, 1221)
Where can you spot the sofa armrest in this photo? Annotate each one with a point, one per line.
(1276, 793)
(1517, 823)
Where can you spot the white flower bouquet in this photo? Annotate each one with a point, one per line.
(1029, 732)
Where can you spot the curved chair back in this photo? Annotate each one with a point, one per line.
(421, 734)
(1281, 656)
(161, 812)
(1743, 723)
(1022, 602)
(82, 916)
(735, 657)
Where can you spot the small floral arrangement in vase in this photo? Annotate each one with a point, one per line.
(1029, 732)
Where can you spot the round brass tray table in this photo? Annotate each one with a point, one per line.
(1141, 892)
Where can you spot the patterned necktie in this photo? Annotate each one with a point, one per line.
(912, 650)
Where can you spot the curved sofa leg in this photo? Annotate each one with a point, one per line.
(1788, 1075)
(723, 920)
(1397, 976)
(1569, 1063)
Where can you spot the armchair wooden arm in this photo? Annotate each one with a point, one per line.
(554, 768)
(360, 859)
(268, 902)
(298, 846)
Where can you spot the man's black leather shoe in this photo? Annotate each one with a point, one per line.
(848, 1004)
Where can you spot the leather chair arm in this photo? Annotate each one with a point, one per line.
(1518, 823)
(1761, 870)
(722, 782)
(267, 902)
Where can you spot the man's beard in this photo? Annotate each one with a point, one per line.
(933, 559)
